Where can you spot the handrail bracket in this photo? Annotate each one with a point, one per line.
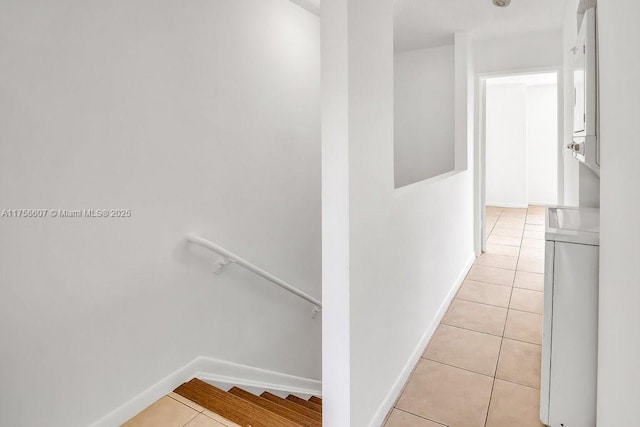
(226, 257)
(221, 263)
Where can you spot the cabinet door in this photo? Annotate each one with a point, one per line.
(574, 343)
(545, 370)
(579, 83)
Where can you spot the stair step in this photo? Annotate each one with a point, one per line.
(275, 408)
(230, 406)
(306, 403)
(309, 413)
(315, 400)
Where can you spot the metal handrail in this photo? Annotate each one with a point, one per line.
(230, 257)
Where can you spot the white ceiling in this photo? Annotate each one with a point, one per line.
(430, 23)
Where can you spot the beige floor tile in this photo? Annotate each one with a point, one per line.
(465, 349)
(536, 209)
(496, 276)
(400, 418)
(528, 280)
(503, 231)
(531, 264)
(528, 251)
(514, 211)
(504, 240)
(528, 234)
(166, 412)
(448, 395)
(527, 300)
(204, 421)
(496, 249)
(516, 227)
(523, 326)
(513, 220)
(500, 261)
(220, 419)
(485, 293)
(533, 243)
(535, 219)
(477, 317)
(519, 362)
(514, 405)
(534, 227)
(488, 226)
(186, 401)
(496, 210)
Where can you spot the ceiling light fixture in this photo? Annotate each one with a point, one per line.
(502, 3)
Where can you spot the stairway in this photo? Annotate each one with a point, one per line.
(249, 410)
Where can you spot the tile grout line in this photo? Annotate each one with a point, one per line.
(502, 337)
(474, 372)
(493, 382)
(420, 416)
(487, 333)
(504, 328)
(501, 306)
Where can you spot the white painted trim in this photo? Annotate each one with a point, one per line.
(508, 205)
(208, 369)
(479, 139)
(389, 401)
(242, 375)
(547, 203)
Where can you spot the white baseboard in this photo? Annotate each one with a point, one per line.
(393, 395)
(508, 205)
(214, 370)
(211, 370)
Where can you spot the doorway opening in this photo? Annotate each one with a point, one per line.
(519, 148)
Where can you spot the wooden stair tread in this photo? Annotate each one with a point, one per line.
(306, 403)
(230, 406)
(315, 400)
(275, 408)
(309, 413)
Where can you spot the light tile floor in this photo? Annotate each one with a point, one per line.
(482, 366)
(174, 410)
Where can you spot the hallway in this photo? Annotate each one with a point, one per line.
(482, 366)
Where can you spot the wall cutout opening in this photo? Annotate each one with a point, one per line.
(433, 86)
(424, 128)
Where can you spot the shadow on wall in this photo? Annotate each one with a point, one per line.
(423, 114)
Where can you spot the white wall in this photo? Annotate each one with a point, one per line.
(423, 114)
(506, 145)
(201, 117)
(619, 306)
(535, 52)
(542, 144)
(517, 53)
(401, 251)
(521, 141)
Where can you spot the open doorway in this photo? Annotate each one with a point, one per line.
(519, 150)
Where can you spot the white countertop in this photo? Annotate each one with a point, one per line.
(572, 225)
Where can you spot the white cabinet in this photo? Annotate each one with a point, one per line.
(585, 145)
(570, 331)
